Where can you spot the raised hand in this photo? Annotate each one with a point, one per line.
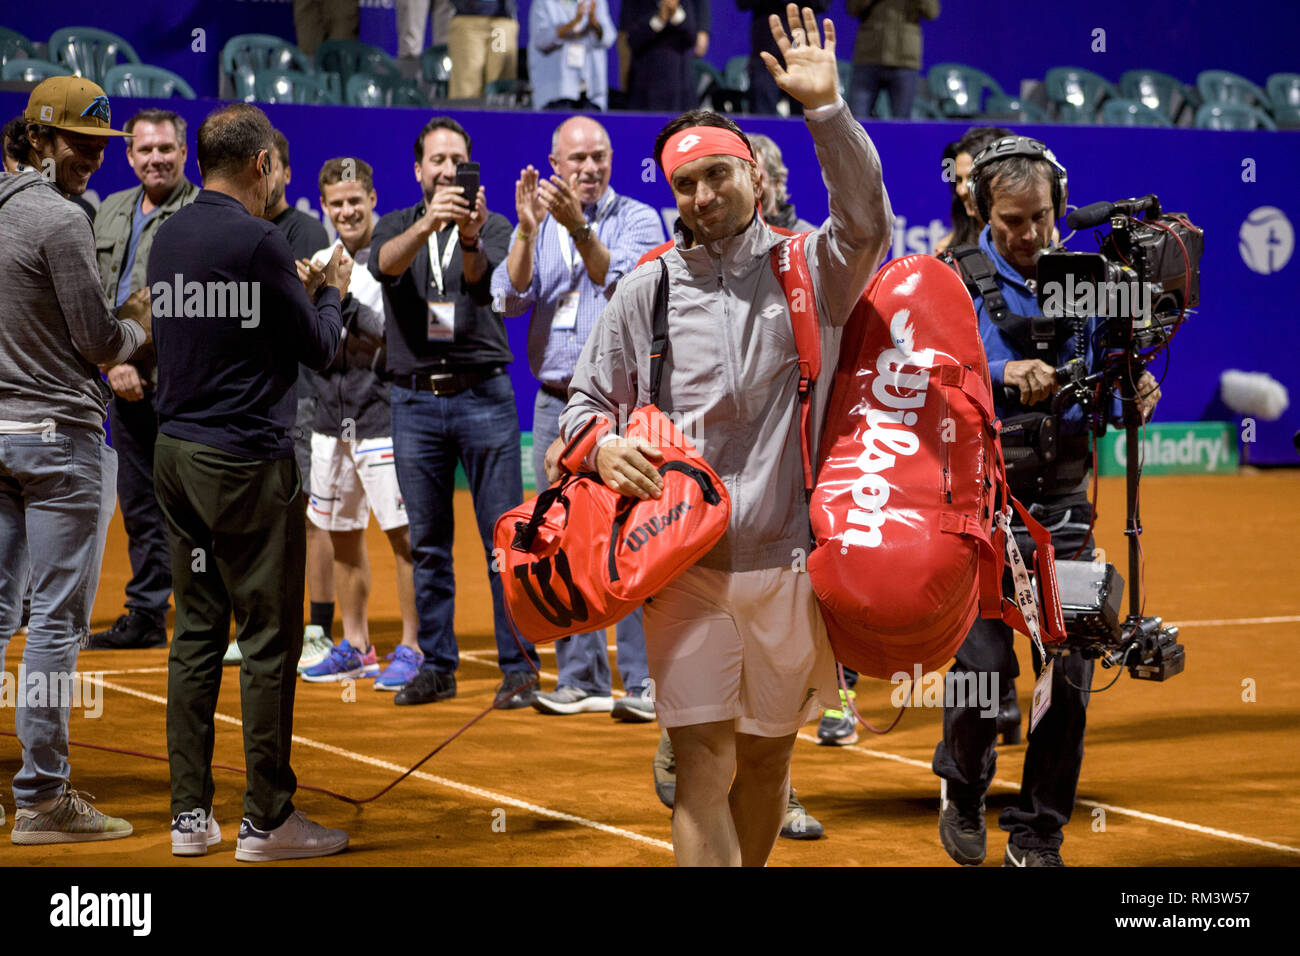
(529, 207)
(810, 74)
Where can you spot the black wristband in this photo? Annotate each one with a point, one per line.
(472, 246)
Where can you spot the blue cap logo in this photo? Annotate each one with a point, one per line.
(98, 108)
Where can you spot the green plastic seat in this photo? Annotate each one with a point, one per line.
(736, 73)
(32, 71)
(90, 52)
(1122, 112)
(15, 46)
(435, 68)
(347, 57)
(506, 94)
(1076, 93)
(845, 70)
(1232, 116)
(959, 89)
(1283, 91)
(140, 79)
(290, 86)
(1013, 109)
(246, 55)
(1221, 86)
(1153, 89)
(707, 78)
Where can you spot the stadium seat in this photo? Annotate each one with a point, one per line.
(435, 68)
(959, 89)
(140, 79)
(15, 46)
(507, 93)
(925, 109)
(1153, 89)
(289, 86)
(1076, 94)
(707, 78)
(384, 89)
(845, 70)
(89, 52)
(343, 58)
(1122, 112)
(1284, 94)
(1014, 110)
(246, 55)
(1232, 116)
(32, 71)
(736, 73)
(1220, 86)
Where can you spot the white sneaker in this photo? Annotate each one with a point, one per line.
(297, 838)
(233, 654)
(315, 647)
(571, 700)
(194, 832)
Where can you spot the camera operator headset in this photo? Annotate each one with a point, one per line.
(1020, 190)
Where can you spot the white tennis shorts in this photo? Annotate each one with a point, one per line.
(747, 646)
(349, 479)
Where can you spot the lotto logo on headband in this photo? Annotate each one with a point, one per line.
(695, 142)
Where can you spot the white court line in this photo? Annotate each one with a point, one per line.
(1109, 808)
(1235, 621)
(489, 795)
(129, 670)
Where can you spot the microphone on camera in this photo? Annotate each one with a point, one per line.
(1099, 212)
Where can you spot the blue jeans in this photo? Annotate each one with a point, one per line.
(135, 430)
(56, 499)
(867, 81)
(582, 659)
(479, 428)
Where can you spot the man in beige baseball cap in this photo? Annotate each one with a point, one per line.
(67, 129)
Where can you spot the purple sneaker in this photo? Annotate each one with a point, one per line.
(405, 664)
(345, 661)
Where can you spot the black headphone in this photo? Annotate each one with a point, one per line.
(266, 164)
(1005, 148)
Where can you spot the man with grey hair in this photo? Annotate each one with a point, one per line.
(124, 232)
(227, 482)
(576, 239)
(773, 175)
(56, 473)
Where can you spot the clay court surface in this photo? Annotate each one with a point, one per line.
(1182, 773)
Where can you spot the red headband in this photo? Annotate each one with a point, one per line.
(696, 141)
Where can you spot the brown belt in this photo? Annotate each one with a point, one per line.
(555, 391)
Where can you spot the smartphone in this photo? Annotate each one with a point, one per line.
(467, 179)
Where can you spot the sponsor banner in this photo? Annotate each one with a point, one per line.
(1175, 448)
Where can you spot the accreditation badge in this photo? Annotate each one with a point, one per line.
(442, 321)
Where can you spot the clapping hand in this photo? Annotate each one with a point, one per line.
(561, 200)
(529, 207)
(810, 74)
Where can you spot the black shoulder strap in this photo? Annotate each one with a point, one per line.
(659, 333)
(1036, 336)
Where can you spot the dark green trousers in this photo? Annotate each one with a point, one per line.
(236, 532)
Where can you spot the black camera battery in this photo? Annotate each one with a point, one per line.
(1091, 596)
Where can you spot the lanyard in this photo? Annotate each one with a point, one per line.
(437, 267)
(567, 248)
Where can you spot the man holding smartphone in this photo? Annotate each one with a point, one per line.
(452, 401)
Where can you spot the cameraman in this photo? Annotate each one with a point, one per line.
(1020, 190)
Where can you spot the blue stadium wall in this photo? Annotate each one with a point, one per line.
(1247, 319)
(1009, 39)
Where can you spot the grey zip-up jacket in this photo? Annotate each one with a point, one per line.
(731, 371)
(56, 324)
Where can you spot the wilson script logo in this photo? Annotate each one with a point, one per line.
(901, 384)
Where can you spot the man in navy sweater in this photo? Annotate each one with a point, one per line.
(235, 322)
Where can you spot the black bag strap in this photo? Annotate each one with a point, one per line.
(659, 333)
(526, 531)
(1037, 336)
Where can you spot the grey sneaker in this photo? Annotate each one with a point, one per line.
(799, 824)
(665, 770)
(297, 838)
(571, 700)
(637, 708)
(315, 647)
(194, 832)
(233, 655)
(70, 820)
